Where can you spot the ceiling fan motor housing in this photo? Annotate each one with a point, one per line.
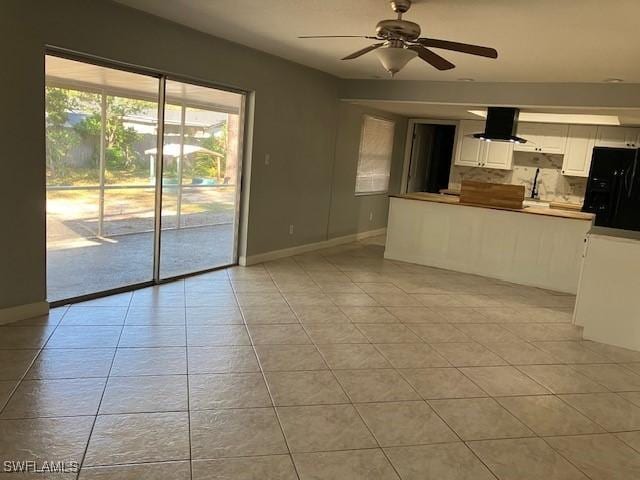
(400, 6)
(398, 29)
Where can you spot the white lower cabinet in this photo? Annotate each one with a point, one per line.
(579, 149)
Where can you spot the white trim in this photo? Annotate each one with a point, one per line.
(21, 312)
(309, 247)
(408, 147)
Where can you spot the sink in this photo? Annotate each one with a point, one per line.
(535, 203)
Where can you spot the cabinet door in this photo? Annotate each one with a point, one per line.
(579, 149)
(533, 134)
(497, 155)
(633, 137)
(616, 137)
(554, 139)
(468, 148)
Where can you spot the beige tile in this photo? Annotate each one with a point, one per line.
(323, 428)
(479, 419)
(614, 377)
(166, 393)
(305, 388)
(150, 361)
(213, 316)
(561, 379)
(380, 385)
(55, 398)
(209, 335)
(227, 390)
(369, 315)
(500, 381)
(289, 334)
(222, 360)
(14, 363)
(352, 299)
(520, 353)
(153, 336)
(339, 287)
(368, 464)
(352, 356)
(404, 423)
(617, 354)
(44, 439)
(463, 314)
(436, 333)
(571, 352)
(524, 459)
(467, 354)
(416, 315)
(254, 286)
(388, 333)
(429, 300)
(548, 415)
(334, 333)
(208, 299)
(260, 299)
(411, 355)
(6, 387)
(441, 383)
(271, 467)
(379, 288)
(289, 357)
(234, 433)
(487, 332)
(297, 300)
(449, 461)
(146, 471)
(634, 367)
(137, 438)
(155, 316)
(269, 314)
(532, 332)
(72, 363)
(83, 337)
(631, 438)
(118, 300)
(321, 314)
(609, 410)
(633, 397)
(94, 316)
(395, 299)
(601, 457)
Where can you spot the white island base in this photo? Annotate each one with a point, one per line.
(519, 246)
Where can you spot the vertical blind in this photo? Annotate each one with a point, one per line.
(374, 159)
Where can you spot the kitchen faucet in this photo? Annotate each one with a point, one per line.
(534, 187)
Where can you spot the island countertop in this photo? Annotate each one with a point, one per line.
(454, 200)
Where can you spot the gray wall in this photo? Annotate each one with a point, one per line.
(296, 114)
(350, 213)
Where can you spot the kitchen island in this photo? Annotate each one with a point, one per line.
(535, 246)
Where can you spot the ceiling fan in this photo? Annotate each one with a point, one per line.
(400, 42)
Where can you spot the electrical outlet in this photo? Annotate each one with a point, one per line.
(371, 216)
(290, 229)
(267, 159)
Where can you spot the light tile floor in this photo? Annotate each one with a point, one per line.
(333, 365)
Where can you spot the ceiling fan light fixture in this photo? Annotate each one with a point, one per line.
(394, 59)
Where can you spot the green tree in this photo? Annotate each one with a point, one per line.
(60, 138)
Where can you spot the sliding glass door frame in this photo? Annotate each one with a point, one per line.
(162, 77)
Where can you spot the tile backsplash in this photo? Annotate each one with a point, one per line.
(552, 185)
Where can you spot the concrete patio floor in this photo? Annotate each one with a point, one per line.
(90, 266)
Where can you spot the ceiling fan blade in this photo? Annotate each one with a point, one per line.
(433, 58)
(363, 51)
(337, 36)
(459, 47)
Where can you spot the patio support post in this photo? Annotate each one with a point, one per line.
(158, 174)
(183, 116)
(102, 166)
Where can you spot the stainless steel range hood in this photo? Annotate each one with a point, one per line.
(501, 125)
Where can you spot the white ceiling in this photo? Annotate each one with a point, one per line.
(537, 40)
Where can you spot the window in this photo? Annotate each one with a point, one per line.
(374, 160)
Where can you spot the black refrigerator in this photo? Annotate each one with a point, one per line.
(613, 188)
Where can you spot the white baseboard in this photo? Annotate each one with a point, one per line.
(309, 247)
(21, 312)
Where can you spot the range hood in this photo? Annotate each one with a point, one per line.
(501, 125)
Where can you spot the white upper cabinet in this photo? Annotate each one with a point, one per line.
(471, 152)
(468, 148)
(577, 156)
(542, 138)
(618, 137)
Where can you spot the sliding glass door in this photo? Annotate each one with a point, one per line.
(105, 187)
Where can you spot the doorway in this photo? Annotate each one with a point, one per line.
(142, 178)
(430, 157)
